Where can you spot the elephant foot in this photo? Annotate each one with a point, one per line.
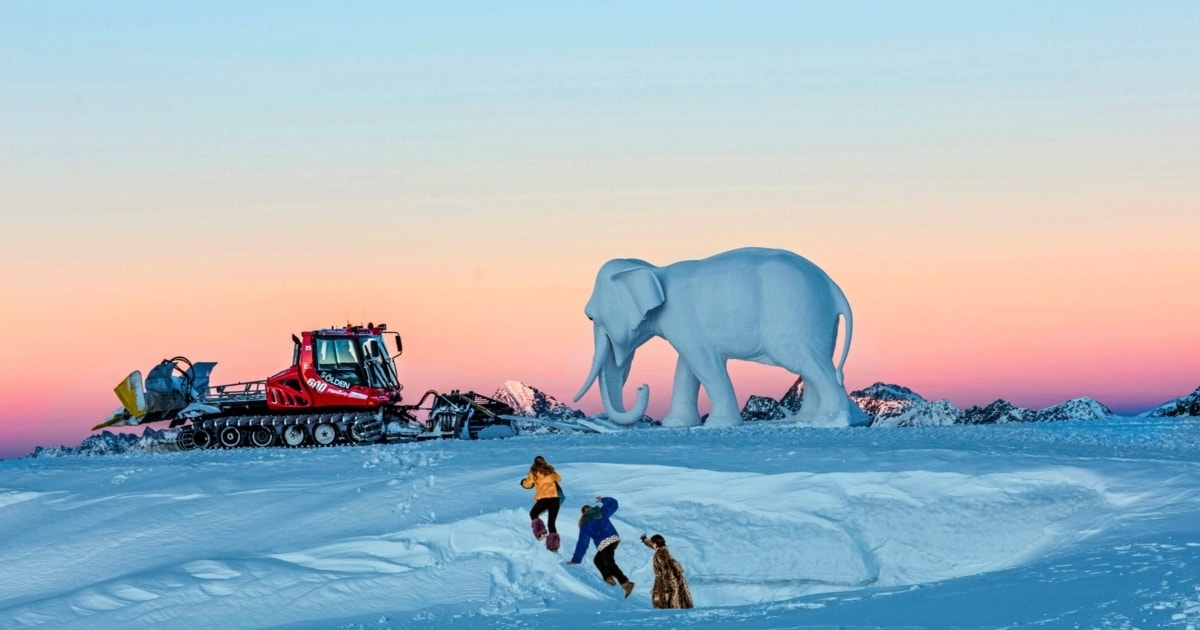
(681, 420)
(858, 417)
(833, 419)
(723, 420)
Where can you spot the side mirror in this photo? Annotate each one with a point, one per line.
(399, 345)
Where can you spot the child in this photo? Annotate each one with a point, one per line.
(594, 524)
(670, 590)
(544, 480)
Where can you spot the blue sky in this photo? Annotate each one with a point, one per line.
(1006, 192)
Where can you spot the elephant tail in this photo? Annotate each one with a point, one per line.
(843, 309)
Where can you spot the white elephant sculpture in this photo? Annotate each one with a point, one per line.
(764, 305)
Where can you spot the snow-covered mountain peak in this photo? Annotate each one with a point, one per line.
(1183, 406)
(517, 394)
(997, 412)
(527, 400)
(888, 391)
(1076, 409)
(884, 401)
(936, 413)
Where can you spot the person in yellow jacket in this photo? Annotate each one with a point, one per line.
(547, 497)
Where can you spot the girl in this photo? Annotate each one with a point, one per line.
(544, 480)
(594, 524)
(670, 590)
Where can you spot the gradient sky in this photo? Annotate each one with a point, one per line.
(1008, 193)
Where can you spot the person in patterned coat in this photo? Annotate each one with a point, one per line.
(670, 589)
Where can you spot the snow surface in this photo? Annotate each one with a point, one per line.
(1064, 524)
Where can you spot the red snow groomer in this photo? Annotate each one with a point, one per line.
(342, 387)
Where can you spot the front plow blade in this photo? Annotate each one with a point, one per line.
(131, 394)
(133, 403)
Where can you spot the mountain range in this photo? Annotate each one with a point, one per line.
(886, 404)
(898, 406)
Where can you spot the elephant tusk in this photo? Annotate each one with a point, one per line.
(598, 356)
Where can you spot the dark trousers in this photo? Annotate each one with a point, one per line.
(543, 505)
(606, 561)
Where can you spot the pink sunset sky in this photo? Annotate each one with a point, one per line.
(1007, 195)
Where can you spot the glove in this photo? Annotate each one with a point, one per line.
(599, 498)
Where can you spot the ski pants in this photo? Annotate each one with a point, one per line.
(606, 561)
(543, 505)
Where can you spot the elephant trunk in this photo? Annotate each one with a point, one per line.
(612, 380)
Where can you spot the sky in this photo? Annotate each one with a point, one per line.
(1055, 525)
(1006, 193)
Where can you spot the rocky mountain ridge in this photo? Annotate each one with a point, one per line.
(898, 406)
(1183, 406)
(109, 443)
(888, 405)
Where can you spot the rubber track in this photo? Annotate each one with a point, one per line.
(352, 428)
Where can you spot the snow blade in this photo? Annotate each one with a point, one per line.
(119, 417)
(133, 403)
(131, 394)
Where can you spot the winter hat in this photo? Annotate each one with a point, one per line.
(589, 513)
(658, 540)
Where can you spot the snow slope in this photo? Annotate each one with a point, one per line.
(1062, 524)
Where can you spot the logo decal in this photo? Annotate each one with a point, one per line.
(334, 381)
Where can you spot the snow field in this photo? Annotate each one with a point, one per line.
(769, 524)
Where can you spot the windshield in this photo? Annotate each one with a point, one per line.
(381, 370)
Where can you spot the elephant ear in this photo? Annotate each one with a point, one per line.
(640, 291)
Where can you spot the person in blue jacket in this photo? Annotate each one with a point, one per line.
(595, 526)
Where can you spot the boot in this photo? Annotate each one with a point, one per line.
(628, 586)
(612, 581)
(552, 542)
(539, 529)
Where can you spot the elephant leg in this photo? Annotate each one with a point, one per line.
(825, 401)
(812, 399)
(684, 397)
(714, 375)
